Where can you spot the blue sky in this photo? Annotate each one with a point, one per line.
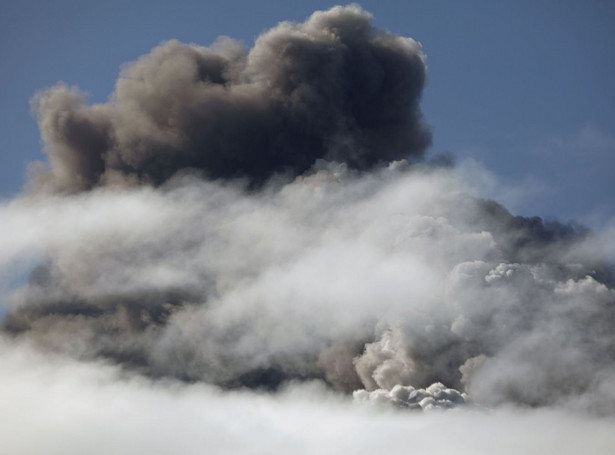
(526, 89)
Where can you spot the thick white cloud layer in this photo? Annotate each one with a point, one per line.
(52, 405)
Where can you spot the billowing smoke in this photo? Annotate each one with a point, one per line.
(396, 277)
(236, 221)
(331, 88)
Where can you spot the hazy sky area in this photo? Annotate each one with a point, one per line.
(295, 227)
(524, 88)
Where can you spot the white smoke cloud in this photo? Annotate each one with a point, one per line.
(55, 405)
(395, 277)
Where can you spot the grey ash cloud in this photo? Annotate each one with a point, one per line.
(392, 283)
(333, 87)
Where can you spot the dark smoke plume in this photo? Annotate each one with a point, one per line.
(333, 88)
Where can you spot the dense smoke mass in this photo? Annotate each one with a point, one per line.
(258, 228)
(331, 88)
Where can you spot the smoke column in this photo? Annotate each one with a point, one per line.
(259, 229)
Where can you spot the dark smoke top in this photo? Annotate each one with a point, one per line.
(333, 87)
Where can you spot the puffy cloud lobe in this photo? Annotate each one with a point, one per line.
(436, 396)
(333, 87)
